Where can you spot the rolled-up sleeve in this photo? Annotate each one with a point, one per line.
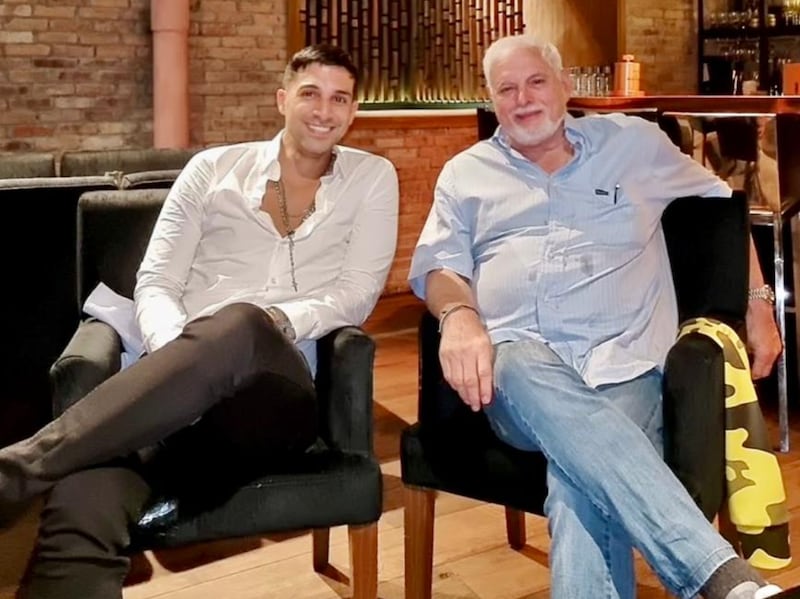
(446, 238)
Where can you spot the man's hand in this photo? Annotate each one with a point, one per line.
(466, 356)
(763, 339)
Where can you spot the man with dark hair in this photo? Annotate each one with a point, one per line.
(260, 249)
(322, 54)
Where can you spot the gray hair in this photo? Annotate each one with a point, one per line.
(499, 48)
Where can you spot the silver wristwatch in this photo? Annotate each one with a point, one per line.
(281, 321)
(764, 292)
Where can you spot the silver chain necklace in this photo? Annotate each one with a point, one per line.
(284, 208)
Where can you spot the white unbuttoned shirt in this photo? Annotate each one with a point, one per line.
(212, 245)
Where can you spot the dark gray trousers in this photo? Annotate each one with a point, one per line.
(255, 400)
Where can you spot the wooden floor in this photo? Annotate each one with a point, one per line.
(472, 559)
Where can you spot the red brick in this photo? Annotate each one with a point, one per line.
(27, 50)
(22, 10)
(63, 12)
(31, 131)
(25, 24)
(57, 37)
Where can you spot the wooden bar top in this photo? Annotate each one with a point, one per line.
(693, 104)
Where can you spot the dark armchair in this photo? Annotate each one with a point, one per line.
(337, 483)
(453, 449)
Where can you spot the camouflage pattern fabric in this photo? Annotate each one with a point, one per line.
(756, 496)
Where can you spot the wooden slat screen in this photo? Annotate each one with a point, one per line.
(411, 52)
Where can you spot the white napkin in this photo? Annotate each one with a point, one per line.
(118, 312)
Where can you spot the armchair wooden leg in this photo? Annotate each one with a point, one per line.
(364, 560)
(515, 528)
(418, 520)
(321, 538)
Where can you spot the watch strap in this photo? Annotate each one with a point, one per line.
(764, 293)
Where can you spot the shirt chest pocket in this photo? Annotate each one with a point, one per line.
(606, 214)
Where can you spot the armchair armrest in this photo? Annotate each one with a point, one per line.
(90, 357)
(344, 388)
(437, 400)
(694, 419)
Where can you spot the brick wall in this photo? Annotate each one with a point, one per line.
(74, 74)
(662, 36)
(418, 152)
(237, 56)
(77, 74)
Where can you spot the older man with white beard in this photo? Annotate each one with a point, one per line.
(544, 260)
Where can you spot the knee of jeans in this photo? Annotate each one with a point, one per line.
(506, 370)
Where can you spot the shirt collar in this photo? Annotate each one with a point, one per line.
(269, 158)
(575, 135)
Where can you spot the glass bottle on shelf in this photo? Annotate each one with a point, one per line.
(606, 80)
(791, 16)
(737, 74)
(752, 18)
(775, 83)
(774, 13)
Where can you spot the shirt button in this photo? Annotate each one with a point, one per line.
(273, 281)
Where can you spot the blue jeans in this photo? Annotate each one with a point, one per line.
(609, 490)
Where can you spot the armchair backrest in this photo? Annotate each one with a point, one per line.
(113, 229)
(708, 240)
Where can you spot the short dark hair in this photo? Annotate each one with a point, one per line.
(325, 54)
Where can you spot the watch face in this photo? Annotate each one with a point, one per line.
(288, 330)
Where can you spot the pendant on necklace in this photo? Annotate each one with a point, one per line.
(286, 222)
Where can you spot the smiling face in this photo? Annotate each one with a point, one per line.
(529, 98)
(318, 106)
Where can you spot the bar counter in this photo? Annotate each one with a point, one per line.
(700, 104)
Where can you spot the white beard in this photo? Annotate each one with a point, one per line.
(525, 137)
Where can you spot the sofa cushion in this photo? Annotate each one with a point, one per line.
(101, 162)
(38, 164)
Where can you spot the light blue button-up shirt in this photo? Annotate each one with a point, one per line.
(577, 258)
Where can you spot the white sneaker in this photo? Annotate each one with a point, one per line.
(768, 591)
